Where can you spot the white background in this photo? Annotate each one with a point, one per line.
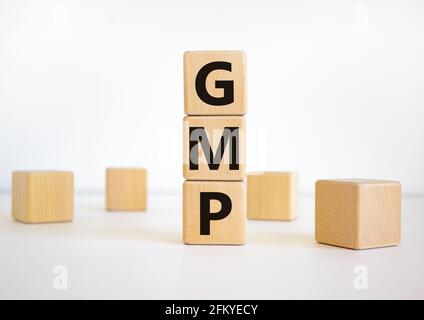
(335, 87)
(335, 90)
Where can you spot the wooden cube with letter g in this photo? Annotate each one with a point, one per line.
(215, 83)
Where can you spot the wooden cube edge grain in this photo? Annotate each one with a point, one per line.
(42, 196)
(357, 213)
(380, 209)
(126, 189)
(334, 226)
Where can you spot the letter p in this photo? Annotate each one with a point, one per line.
(205, 209)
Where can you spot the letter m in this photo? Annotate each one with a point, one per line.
(230, 136)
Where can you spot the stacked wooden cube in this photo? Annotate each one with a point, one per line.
(214, 193)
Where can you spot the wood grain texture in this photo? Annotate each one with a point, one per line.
(358, 213)
(42, 196)
(273, 195)
(194, 61)
(214, 127)
(231, 230)
(126, 189)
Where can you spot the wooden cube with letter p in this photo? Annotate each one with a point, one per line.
(214, 148)
(215, 82)
(214, 212)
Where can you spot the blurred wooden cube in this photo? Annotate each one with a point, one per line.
(358, 213)
(215, 83)
(214, 212)
(272, 195)
(126, 189)
(42, 196)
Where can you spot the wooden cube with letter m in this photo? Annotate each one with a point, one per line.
(214, 148)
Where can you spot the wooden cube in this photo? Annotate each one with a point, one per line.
(126, 189)
(215, 83)
(214, 148)
(214, 212)
(42, 196)
(358, 213)
(272, 195)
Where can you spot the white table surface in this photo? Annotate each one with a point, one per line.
(141, 256)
